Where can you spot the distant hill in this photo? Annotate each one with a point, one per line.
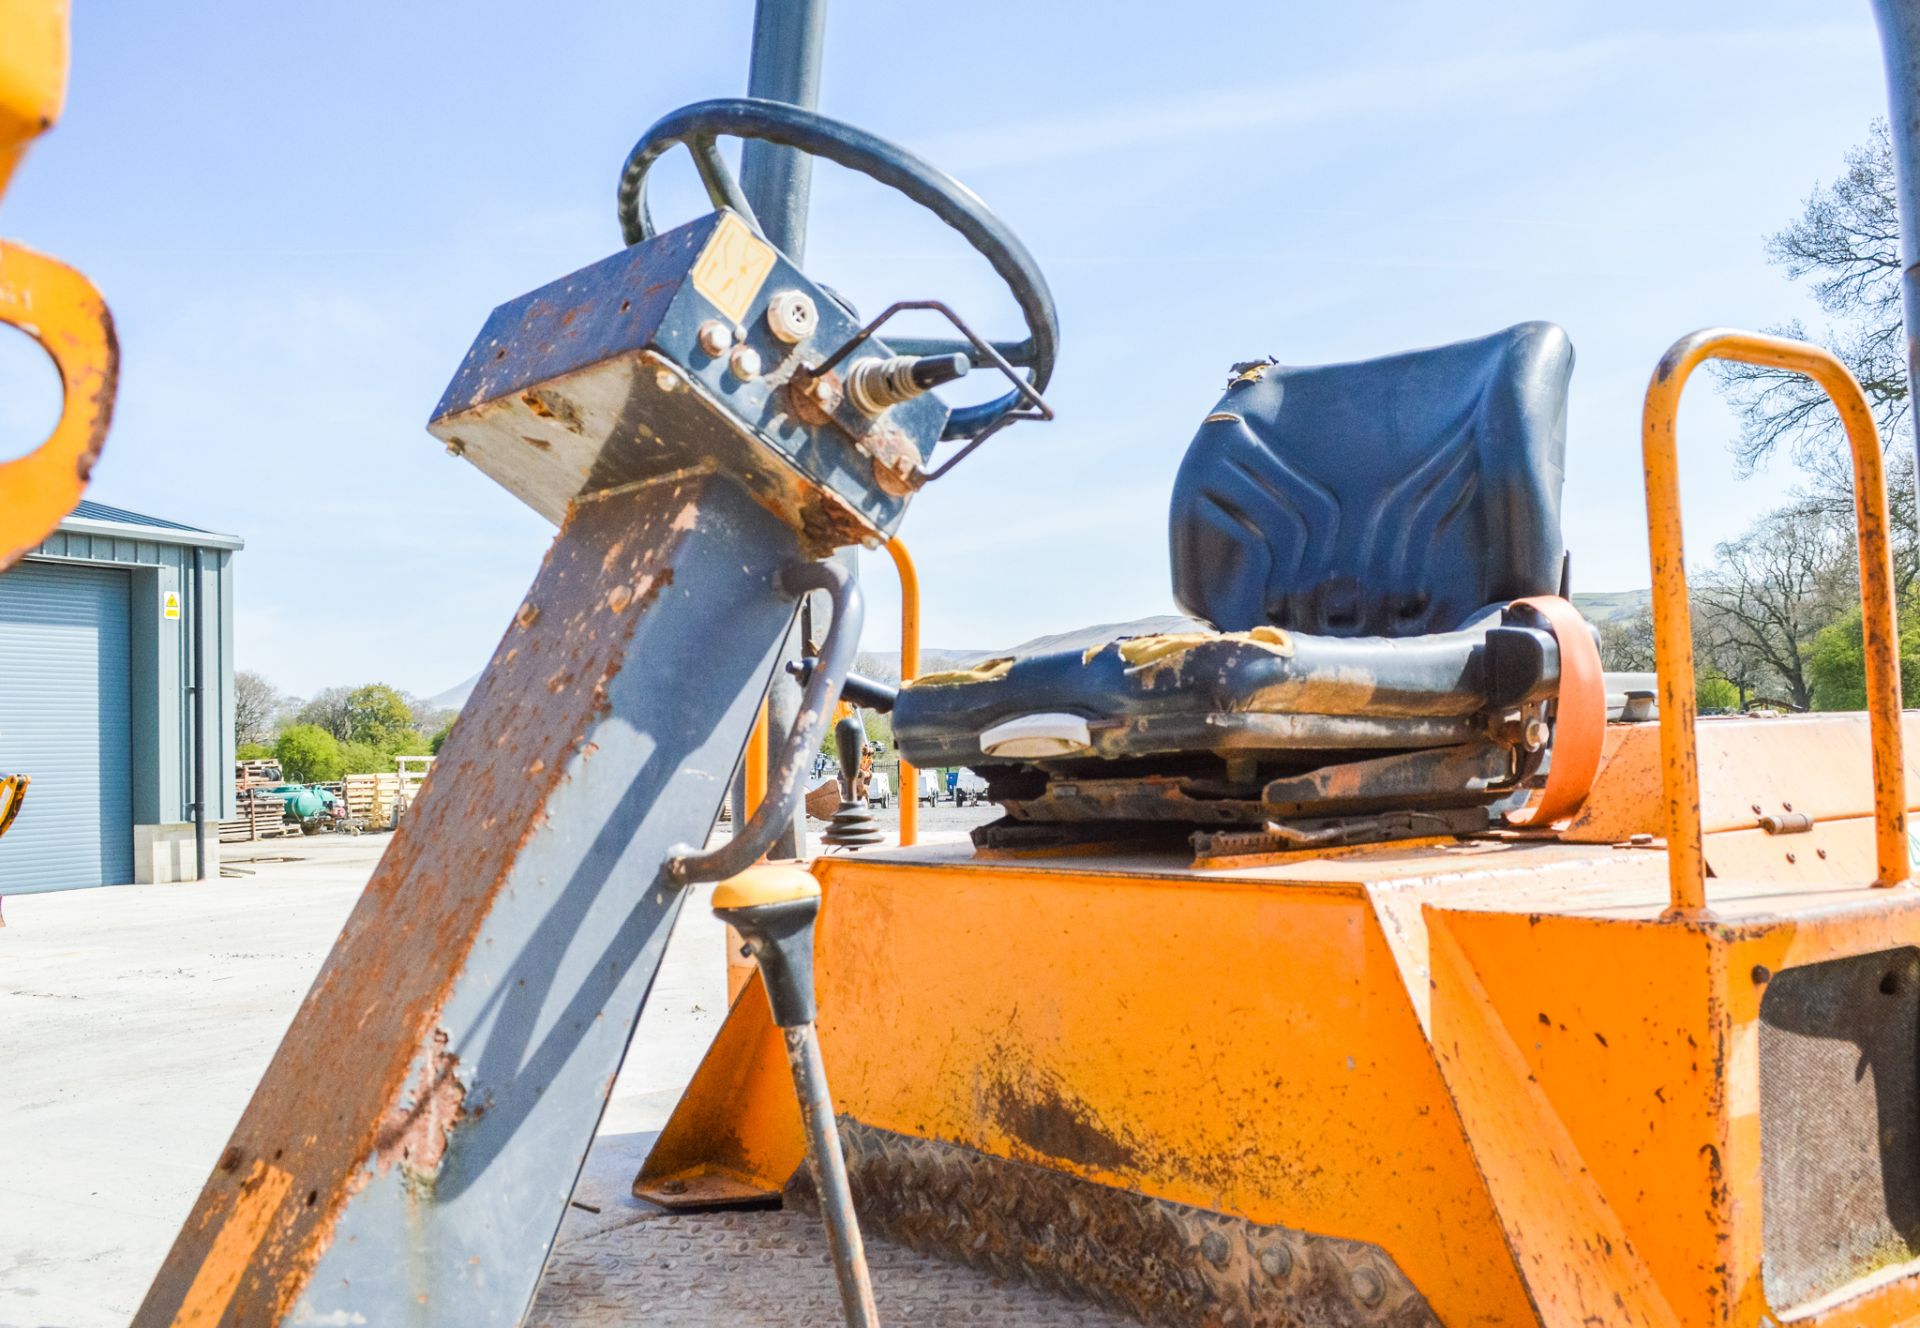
(455, 696)
(1604, 606)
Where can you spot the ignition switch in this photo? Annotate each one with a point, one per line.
(878, 382)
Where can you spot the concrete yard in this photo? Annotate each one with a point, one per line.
(135, 1022)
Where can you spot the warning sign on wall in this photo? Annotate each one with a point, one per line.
(170, 605)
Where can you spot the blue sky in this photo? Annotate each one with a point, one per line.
(302, 214)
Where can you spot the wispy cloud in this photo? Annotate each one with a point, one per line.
(1396, 91)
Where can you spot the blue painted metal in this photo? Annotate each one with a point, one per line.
(65, 722)
(789, 43)
(789, 40)
(1899, 22)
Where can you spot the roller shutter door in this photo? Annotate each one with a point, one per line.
(64, 679)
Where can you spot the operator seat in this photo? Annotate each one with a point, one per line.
(1356, 536)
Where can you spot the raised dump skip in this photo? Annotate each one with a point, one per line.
(1840, 1123)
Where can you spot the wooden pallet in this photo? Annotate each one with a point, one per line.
(262, 816)
(249, 774)
(371, 799)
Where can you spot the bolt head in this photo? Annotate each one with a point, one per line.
(744, 362)
(1214, 1247)
(714, 337)
(1536, 733)
(666, 380)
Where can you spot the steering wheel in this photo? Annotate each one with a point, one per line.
(697, 126)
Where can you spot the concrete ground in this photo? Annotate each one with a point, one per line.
(135, 1022)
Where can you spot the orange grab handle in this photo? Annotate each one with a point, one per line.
(61, 310)
(1673, 618)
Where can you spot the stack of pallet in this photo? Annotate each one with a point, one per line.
(262, 816)
(253, 773)
(371, 800)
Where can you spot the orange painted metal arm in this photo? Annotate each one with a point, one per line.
(33, 75)
(908, 792)
(1673, 617)
(60, 309)
(45, 298)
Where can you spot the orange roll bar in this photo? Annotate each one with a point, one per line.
(908, 792)
(1673, 616)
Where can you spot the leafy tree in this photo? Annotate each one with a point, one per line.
(308, 754)
(377, 714)
(439, 738)
(1838, 664)
(1712, 692)
(408, 742)
(252, 751)
(363, 758)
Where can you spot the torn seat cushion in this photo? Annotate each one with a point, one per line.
(1264, 690)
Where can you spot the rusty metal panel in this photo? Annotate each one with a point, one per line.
(416, 1136)
(1839, 1122)
(601, 378)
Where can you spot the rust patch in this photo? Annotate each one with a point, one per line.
(414, 1135)
(537, 444)
(551, 405)
(896, 461)
(814, 399)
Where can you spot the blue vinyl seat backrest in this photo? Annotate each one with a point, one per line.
(1393, 497)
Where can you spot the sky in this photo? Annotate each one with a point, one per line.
(301, 216)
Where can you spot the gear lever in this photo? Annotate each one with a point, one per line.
(773, 907)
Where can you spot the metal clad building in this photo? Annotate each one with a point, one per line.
(105, 634)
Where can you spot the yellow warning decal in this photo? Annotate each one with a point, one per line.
(732, 266)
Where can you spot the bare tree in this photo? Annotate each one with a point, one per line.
(1769, 594)
(328, 708)
(1847, 240)
(1626, 644)
(1721, 649)
(1831, 471)
(257, 704)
